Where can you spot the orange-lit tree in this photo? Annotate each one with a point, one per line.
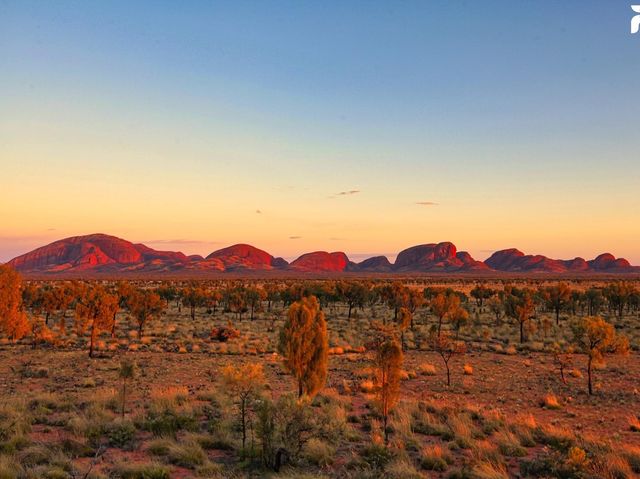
(244, 383)
(596, 338)
(447, 348)
(145, 306)
(388, 366)
(304, 345)
(95, 309)
(13, 320)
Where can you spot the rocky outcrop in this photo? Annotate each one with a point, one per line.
(429, 257)
(377, 264)
(321, 261)
(244, 256)
(104, 253)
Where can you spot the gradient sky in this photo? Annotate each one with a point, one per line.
(195, 125)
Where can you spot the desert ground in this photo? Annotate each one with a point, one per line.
(176, 413)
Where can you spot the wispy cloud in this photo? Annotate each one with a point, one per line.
(259, 212)
(426, 203)
(295, 237)
(337, 239)
(344, 193)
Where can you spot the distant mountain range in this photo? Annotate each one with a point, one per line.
(101, 253)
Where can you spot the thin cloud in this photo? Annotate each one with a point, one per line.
(259, 212)
(426, 203)
(337, 239)
(350, 192)
(295, 237)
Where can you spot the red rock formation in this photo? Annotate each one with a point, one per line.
(321, 261)
(429, 257)
(104, 253)
(244, 256)
(607, 262)
(78, 252)
(377, 264)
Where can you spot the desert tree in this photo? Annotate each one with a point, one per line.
(193, 297)
(145, 305)
(244, 383)
(459, 317)
(481, 293)
(304, 345)
(596, 338)
(563, 359)
(253, 298)
(272, 290)
(447, 347)
(443, 305)
(519, 305)
(496, 306)
(168, 293)
(388, 367)
(595, 300)
(557, 298)
(354, 293)
(13, 320)
(405, 318)
(95, 308)
(618, 295)
(126, 372)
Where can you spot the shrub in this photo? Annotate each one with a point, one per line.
(427, 369)
(468, 370)
(319, 452)
(489, 470)
(434, 458)
(509, 444)
(402, 469)
(376, 455)
(121, 433)
(141, 471)
(550, 401)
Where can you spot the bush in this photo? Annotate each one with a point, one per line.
(318, 452)
(168, 422)
(141, 471)
(376, 456)
(434, 458)
(121, 433)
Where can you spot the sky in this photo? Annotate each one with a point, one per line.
(360, 126)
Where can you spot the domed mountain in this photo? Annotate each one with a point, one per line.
(79, 253)
(513, 260)
(433, 257)
(377, 264)
(244, 256)
(321, 261)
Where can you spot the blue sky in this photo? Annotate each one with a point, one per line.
(163, 121)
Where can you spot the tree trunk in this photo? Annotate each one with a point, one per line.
(448, 374)
(93, 335)
(589, 376)
(124, 395)
(521, 332)
(244, 424)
